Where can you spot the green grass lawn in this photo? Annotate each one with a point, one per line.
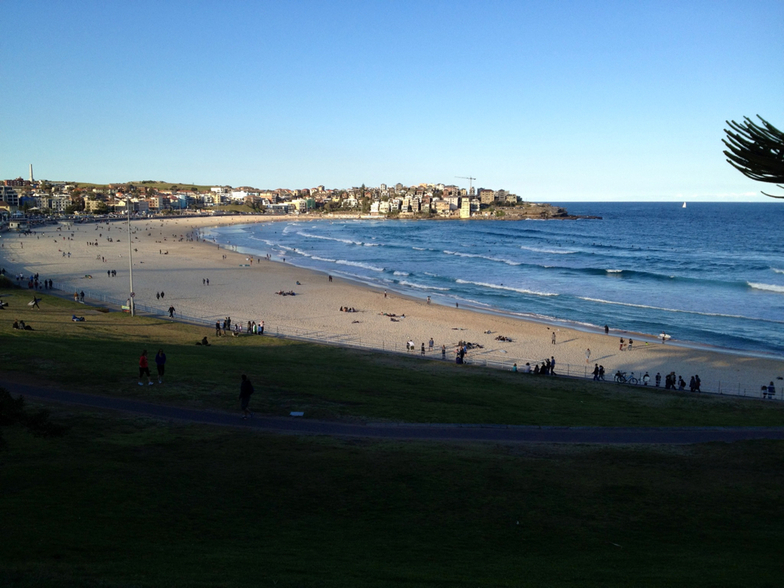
(126, 501)
(101, 355)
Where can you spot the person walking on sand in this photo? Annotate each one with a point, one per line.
(144, 369)
(620, 348)
(443, 352)
(423, 347)
(246, 389)
(552, 339)
(160, 363)
(588, 355)
(171, 312)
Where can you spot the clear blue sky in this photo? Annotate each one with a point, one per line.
(592, 100)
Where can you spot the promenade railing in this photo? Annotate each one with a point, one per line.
(494, 359)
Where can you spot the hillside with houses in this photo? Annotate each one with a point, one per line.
(29, 197)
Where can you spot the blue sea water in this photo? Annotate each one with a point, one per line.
(711, 273)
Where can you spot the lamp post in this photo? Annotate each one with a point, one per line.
(130, 256)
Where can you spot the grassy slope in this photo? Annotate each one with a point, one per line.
(129, 501)
(100, 355)
(132, 502)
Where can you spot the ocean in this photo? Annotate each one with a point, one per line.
(709, 274)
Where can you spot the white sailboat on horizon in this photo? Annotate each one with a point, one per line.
(684, 205)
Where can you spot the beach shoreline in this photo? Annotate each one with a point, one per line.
(168, 258)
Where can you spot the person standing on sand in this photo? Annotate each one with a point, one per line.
(443, 352)
(620, 348)
(423, 347)
(144, 369)
(160, 363)
(606, 330)
(552, 339)
(588, 355)
(246, 389)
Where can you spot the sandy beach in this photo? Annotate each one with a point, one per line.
(167, 259)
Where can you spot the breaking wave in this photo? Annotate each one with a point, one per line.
(508, 288)
(766, 287)
(552, 251)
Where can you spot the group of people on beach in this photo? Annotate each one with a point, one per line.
(225, 326)
(546, 368)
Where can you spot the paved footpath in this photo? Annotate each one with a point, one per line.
(405, 431)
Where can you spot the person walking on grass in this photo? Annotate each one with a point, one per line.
(144, 369)
(246, 389)
(160, 363)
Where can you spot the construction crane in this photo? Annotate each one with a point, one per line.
(470, 183)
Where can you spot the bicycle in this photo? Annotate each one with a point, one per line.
(620, 377)
(632, 379)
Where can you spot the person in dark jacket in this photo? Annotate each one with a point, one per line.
(246, 389)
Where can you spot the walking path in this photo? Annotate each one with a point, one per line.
(407, 431)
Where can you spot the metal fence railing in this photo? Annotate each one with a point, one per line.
(490, 359)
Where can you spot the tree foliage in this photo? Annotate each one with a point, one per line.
(757, 151)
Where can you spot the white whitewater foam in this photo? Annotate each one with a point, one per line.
(552, 251)
(766, 287)
(509, 288)
(613, 271)
(399, 273)
(487, 257)
(778, 271)
(312, 236)
(360, 264)
(420, 286)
